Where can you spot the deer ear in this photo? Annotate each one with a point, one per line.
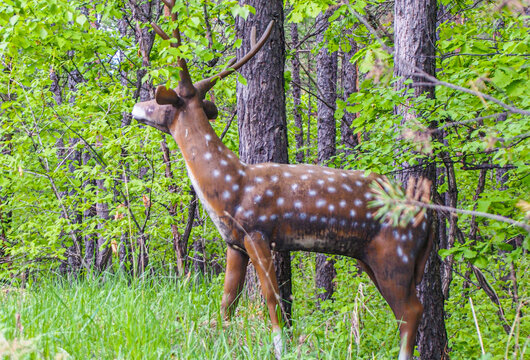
(209, 109)
(165, 96)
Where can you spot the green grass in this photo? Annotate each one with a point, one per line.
(161, 318)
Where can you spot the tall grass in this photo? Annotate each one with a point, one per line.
(162, 317)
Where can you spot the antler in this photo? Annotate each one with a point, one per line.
(185, 85)
(206, 84)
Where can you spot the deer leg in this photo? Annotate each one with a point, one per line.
(398, 288)
(260, 254)
(236, 268)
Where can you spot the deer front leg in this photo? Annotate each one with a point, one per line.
(260, 254)
(236, 268)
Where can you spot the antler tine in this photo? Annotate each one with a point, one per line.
(185, 84)
(206, 84)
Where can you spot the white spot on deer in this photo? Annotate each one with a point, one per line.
(343, 222)
(320, 182)
(216, 173)
(259, 166)
(331, 179)
(294, 187)
(241, 172)
(399, 251)
(280, 201)
(423, 226)
(343, 174)
(332, 221)
(331, 207)
(287, 174)
(405, 258)
(298, 204)
(257, 198)
(248, 213)
(313, 218)
(223, 162)
(249, 188)
(358, 183)
(363, 175)
(403, 237)
(346, 187)
(269, 192)
(304, 177)
(208, 137)
(310, 171)
(235, 187)
(207, 156)
(230, 155)
(262, 218)
(368, 215)
(323, 219)
(228, 178)
(274, 178)
(410, 235)
(395, 233)
(342, 203)
(327, 172)
(275, 165)
(352, 213)
(219, 148)
(312, 192)
(358, 202)
(288, 215)
(302, 216)
(226, 194)
(291, 165)
(368, 196)
(274, 217)
(320, 202)
(258, 179)
(331, 189)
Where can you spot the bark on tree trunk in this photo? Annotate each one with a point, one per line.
(349, 85)
(415, 36)
(297, 113)
(326, 131)
(261, 109)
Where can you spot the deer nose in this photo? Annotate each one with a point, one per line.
(138, 112)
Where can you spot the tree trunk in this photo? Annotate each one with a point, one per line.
(297, 112)
(261, 110)
(415, 36)
(327, 132)
(349, 86)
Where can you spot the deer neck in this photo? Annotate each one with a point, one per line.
(213, 169)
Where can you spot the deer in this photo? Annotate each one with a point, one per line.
(264, 207)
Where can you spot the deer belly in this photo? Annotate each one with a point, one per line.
(325, 239)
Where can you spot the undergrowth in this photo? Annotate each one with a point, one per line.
(163, 317)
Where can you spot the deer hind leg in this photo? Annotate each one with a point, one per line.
(396, 282)
(236, 268)
(259, 252)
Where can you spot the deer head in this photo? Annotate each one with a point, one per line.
(187, 99)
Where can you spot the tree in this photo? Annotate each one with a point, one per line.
(261, 109)
(327, 132)
(415, 36)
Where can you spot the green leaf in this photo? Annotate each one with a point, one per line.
(81, 19)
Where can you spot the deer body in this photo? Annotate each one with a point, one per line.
(264, 207)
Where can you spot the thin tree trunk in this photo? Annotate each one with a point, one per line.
(415, 36)
(349, 85)
(261, 110)
(326, 129)
(297, 111)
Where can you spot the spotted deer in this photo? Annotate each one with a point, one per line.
(264, 207)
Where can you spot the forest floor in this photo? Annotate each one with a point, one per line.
(161, 317)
